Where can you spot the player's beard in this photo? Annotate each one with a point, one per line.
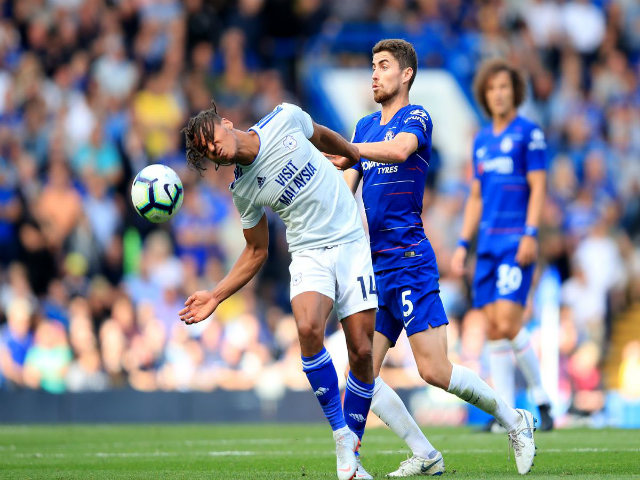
(382, 97)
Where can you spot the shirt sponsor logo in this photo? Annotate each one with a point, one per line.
(368, 164)
(382, 167)
(286, 173)
(502, 165)
(422, 113)
(298, 183)
(419, 119)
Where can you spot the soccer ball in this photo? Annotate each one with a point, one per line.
(157, 193)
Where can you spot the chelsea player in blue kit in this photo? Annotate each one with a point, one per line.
(506, 199)
(395, 146)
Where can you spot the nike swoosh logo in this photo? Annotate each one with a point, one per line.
(344, 469)
(424, 469)
(528, 431)
(406, 324)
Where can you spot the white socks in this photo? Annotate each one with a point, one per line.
(387, 405)
(468, 386)
(502, 369)
(529, 366)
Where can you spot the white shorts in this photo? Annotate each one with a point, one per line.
(343, 273)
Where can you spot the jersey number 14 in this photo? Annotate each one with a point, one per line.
(372, 287)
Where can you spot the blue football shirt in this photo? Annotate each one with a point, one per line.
(392, 193)
(501, 163)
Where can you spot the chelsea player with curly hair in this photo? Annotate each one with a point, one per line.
(504, 206)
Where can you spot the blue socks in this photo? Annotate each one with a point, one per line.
(357, 400)
(324, 382)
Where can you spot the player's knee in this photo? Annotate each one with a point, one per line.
(309, 331)
(507, 329)
(494, 332)
(360, 355)
(433, 375)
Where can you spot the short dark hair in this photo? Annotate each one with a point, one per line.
(202, 124)
(486, 71)
(402, 51)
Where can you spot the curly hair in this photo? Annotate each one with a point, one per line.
(486, 71)
(198, 127)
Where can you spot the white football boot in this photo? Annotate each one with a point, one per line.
(361, 473)
(434, 465)
(347, 444)
(521, 440)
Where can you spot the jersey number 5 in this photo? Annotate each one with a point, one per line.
(407, 305)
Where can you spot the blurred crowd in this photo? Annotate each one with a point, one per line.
(93, 90)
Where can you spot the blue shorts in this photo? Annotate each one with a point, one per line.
(499, 277)
(408, 298)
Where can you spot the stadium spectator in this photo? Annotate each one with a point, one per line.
(48, 361)
(16, 338)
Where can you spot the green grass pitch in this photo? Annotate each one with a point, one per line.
(303, 452)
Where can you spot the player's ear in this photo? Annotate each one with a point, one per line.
(227, 123)
(407, 74)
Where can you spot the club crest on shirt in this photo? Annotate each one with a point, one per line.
(506, 145)
(290, 142)
(389, 135)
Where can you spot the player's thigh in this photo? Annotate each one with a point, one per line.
(354, 279)
(484, 281)
(358, 331)
(430, 352)
(417, 299)
(381, 345)
(312, 293)
(513, 281)
(312, 270)
(494, 331)
(388, 317)
(310, 311)
(508, 318)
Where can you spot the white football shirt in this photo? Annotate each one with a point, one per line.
(297, 182)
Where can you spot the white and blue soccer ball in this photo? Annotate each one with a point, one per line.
(157, 193)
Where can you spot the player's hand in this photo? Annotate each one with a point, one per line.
(198, 307)
(457, 261)
(527, 251)
(341, 163)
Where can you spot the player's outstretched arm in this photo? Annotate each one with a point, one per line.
(396, 150)
(204, 302)
(328, 141)
(470, 221)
